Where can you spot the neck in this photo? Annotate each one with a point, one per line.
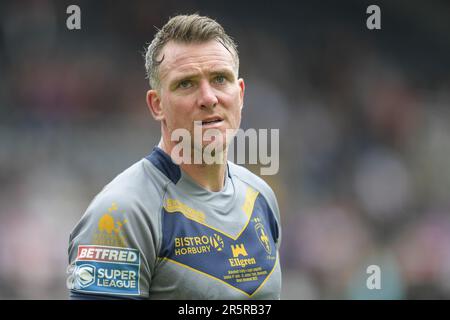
(209, 176)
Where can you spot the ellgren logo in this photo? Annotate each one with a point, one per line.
(262, 236)
(84, 275)
(239, 250)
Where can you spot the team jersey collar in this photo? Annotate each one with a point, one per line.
(171, 170)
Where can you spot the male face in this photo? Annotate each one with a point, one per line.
(198, 82)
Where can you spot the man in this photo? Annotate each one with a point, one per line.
(197, 230)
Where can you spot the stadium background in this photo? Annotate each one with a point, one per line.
(364, 127)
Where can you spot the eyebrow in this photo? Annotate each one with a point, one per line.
(226, 72)
(190, 76)
(184, 77)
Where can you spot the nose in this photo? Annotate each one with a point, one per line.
(207, 97)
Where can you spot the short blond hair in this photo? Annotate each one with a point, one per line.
(186, 29)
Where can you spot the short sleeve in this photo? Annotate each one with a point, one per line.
(276, 211)
(112, 249)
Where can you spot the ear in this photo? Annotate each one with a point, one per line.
(154, 105)
(241, 84)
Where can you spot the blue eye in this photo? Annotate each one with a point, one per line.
(185, 84)
(220, 79)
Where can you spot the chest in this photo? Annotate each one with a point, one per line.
(218, 257)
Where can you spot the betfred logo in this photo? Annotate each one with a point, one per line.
(107, 254)
(104, 269)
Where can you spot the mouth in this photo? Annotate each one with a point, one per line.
(212, 121)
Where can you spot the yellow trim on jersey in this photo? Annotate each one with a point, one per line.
(217, 279)
(250, 198)
(173, 206)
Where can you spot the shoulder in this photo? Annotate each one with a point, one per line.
(248, 177)
(131, 199)
(141, 178)
(257, 183)
(138, 186)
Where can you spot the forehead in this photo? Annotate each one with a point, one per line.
(182, 58)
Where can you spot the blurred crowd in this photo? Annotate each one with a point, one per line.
(364, 124)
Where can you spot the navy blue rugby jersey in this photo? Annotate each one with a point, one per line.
(154, 233)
